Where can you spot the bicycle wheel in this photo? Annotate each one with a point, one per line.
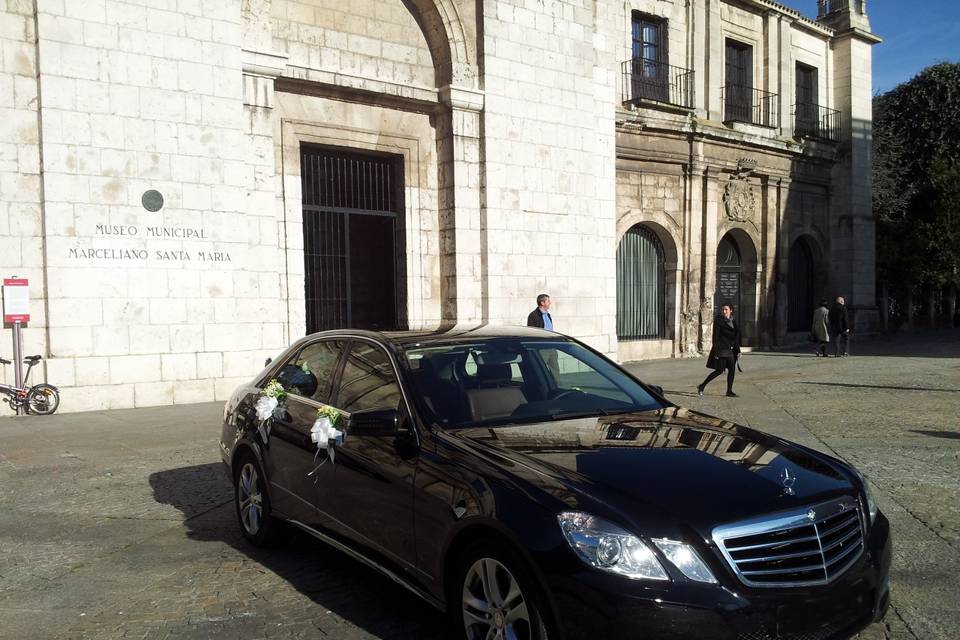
(43, 399)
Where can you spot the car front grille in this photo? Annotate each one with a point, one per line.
(825, 633)
(809, 546)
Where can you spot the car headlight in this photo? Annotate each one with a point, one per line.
(606, 546)
(685, 558)
(868, 495)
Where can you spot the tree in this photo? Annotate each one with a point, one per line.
(916, 182)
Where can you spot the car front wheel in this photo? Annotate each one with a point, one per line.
(253, 503)
(497, 597)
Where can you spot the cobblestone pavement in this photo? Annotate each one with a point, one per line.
(120, 524)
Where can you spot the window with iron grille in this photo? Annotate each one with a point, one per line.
(352, 239)
(641, 303)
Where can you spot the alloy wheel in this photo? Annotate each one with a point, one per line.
(494, 607)
(250, 498)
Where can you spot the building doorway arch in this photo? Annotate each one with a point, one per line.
(737, 278)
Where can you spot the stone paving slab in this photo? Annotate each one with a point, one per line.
(119, 524)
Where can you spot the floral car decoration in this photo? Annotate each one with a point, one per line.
(270, 404)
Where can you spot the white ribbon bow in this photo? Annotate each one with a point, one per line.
(326, 436)
(265, 407)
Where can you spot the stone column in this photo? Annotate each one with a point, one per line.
(462, 268)
(696, 176)
(713, 64)
(709, 256)
(786, 87)
(771, 249)
(782, 262)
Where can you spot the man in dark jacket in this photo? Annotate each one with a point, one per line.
(540, 317)
(839, 328)
(725, 350)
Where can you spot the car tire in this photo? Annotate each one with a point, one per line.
(252, 502)
(493, 590)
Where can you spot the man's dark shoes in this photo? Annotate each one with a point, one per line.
(699, 389)
(731, 394)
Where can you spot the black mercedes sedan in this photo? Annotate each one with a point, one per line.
(532, 489)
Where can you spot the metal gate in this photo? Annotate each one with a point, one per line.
(352, 239)
(800, 288)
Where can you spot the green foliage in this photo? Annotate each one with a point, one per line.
(916, 178)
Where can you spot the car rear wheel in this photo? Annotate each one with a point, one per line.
(253, 503)
(496, 598)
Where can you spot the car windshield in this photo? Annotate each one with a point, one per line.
(501, 381)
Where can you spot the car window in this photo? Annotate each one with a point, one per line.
(568, 371)
(508, 380)
(368, 380)
(310, 374)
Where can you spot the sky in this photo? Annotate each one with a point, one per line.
(916, 34)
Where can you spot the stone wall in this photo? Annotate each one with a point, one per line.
(550, 85)
(21, 219)
(148, 307)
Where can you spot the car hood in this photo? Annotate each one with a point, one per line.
(674, 462)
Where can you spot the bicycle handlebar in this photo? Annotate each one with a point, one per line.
(27, 360)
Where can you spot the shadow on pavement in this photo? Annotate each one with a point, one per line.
(880, 386)
(948, 435)
(332, 580)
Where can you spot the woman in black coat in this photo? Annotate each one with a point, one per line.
(725, 351)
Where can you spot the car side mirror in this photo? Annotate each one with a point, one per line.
(374, 422)
(656, 388)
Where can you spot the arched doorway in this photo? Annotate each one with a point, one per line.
(641, 288)
(800, 286)
(729, 275)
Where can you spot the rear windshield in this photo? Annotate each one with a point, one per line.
(500, 381)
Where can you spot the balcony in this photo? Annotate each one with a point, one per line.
(753, 106)
(816, 121)
(648, 81)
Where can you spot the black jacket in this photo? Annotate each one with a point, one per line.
(838, 319)
(726, 340)
(535, 319)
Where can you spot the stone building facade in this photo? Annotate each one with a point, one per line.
(190, 185)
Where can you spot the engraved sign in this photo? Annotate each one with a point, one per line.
(728, 286)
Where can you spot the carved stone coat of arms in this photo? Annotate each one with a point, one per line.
(738, 199)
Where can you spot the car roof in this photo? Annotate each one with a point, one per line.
(444, 334)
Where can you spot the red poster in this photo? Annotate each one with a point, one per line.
(16, 300)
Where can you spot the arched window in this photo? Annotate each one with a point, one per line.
(641, 305)
(800, 287)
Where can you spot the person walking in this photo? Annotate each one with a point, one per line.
(840, 328)
(820, 330)
(725, 350)
(540, 317)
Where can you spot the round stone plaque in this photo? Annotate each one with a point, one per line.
(152, 200)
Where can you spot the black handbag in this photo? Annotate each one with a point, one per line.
(712, 360)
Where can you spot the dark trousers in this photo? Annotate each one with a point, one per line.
(841, 343)
(723, 362)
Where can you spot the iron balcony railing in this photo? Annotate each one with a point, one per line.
(816, 121)
(746, 104)
(646, 80)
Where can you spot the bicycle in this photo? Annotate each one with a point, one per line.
(41, 399)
